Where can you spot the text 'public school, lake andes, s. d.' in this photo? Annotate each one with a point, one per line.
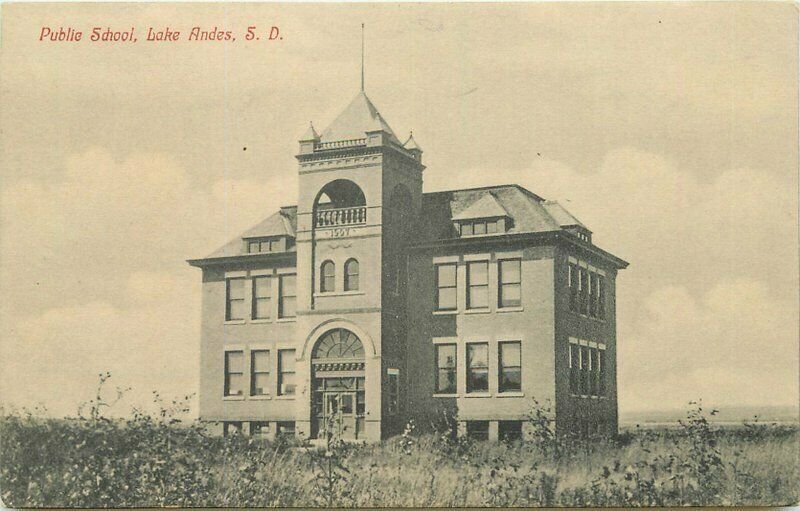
(151, 34)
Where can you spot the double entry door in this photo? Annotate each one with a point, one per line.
(339, 407)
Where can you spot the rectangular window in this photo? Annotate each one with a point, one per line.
(574, 369)
(601, 372)
(234, 303)
(593, 294)
(286, 373)
(253, 247)
(480, 228)
(601, 297)
(478, 430)
(584, 291)
(287, 303)
(466, 229)
(510, 361)
(394, 391)
(445, 368)
(584, 370)
(510, 283)
(478, 285)
(491, 227)
(446, 287)
(262, 297)
(509, 431)
(285, 429)
(231, 428)
(573, 287)
(593, 371)
(259, 372)
(259, 429)
(478, 367)
(234, 373)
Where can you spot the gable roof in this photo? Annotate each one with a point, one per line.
(359, 117)
(485, 207)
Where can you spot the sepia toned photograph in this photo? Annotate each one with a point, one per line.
(387, 255)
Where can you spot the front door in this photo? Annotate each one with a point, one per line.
(340, 414)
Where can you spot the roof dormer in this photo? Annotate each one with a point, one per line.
(485, 216)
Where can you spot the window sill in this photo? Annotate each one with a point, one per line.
(477, 311)
(234, 322)
(586, 396)
(261, 321)
(510, 394)
(285, 398)
(478, 394)
(510, 309)
(586, 316)
(447, 395)
(340, 293)
(445, 312)
(286, 320)
(261, 397)
(233, 398)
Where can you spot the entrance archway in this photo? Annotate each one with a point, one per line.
(337, 372)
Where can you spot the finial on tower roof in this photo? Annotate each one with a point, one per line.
(362, 57)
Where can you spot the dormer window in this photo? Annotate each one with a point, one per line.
(264, 245)
(482, 226)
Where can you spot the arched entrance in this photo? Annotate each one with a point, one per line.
(337, 371)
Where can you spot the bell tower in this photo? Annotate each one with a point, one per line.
(360, 192)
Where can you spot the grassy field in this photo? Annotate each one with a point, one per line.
(158, 461)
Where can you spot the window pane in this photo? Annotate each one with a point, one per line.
(510, 354)
(480, 228)
(234, 385)
(478, 273)
(491, 227)
(260, 361)
(236, 309)
(510, 271)
(288, 384)
(262, 287)
(446, 356)
(478, 380)
(351, 284)
(477, 355)
(466, 229)
(446, 275)
(288, 284)
(236, 288)
(446, 383)
(253, 247)
(510, 295)
(479, 297)
(287, 360)
(259, 383)
(511, 379)
(447, 298)
(262, 308)
(234, 361)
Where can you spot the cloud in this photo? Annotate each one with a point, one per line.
(95, 263)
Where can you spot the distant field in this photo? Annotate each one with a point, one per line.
(154, 461)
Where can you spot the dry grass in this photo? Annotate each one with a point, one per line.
(156, 461)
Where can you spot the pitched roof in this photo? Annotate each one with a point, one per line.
(524, 207)
(359, 117)
(528, 212)
(411, 144)
(561, 215)
(310, 134)
(485, 207)
(281, 223)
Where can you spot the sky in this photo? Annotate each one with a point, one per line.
(670, 130)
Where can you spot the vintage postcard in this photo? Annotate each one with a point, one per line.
(399, 254)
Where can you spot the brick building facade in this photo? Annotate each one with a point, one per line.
(371, 302)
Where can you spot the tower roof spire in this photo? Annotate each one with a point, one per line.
(362, 57)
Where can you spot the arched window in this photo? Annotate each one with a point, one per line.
(351, 275)
(328, 281)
